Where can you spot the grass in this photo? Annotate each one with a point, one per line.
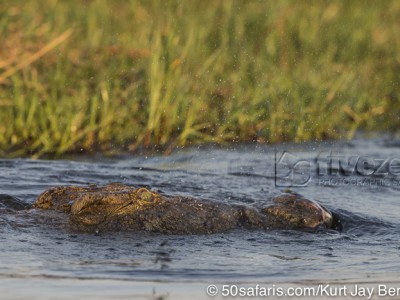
(85, 76)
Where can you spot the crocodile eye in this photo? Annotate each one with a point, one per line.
(145, 195)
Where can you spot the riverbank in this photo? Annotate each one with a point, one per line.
(122, 75)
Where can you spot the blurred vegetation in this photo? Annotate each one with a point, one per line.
(85, 76)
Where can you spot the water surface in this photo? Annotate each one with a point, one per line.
(48, 261)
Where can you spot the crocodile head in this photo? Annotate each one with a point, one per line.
(293, 211)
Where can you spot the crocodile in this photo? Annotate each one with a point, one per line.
(116, 207)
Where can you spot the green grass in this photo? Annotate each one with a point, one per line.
(161, 74)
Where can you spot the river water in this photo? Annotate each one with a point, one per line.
(356, 179)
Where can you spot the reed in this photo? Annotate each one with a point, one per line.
(86, 76)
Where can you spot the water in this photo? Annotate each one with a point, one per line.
(39, 261)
